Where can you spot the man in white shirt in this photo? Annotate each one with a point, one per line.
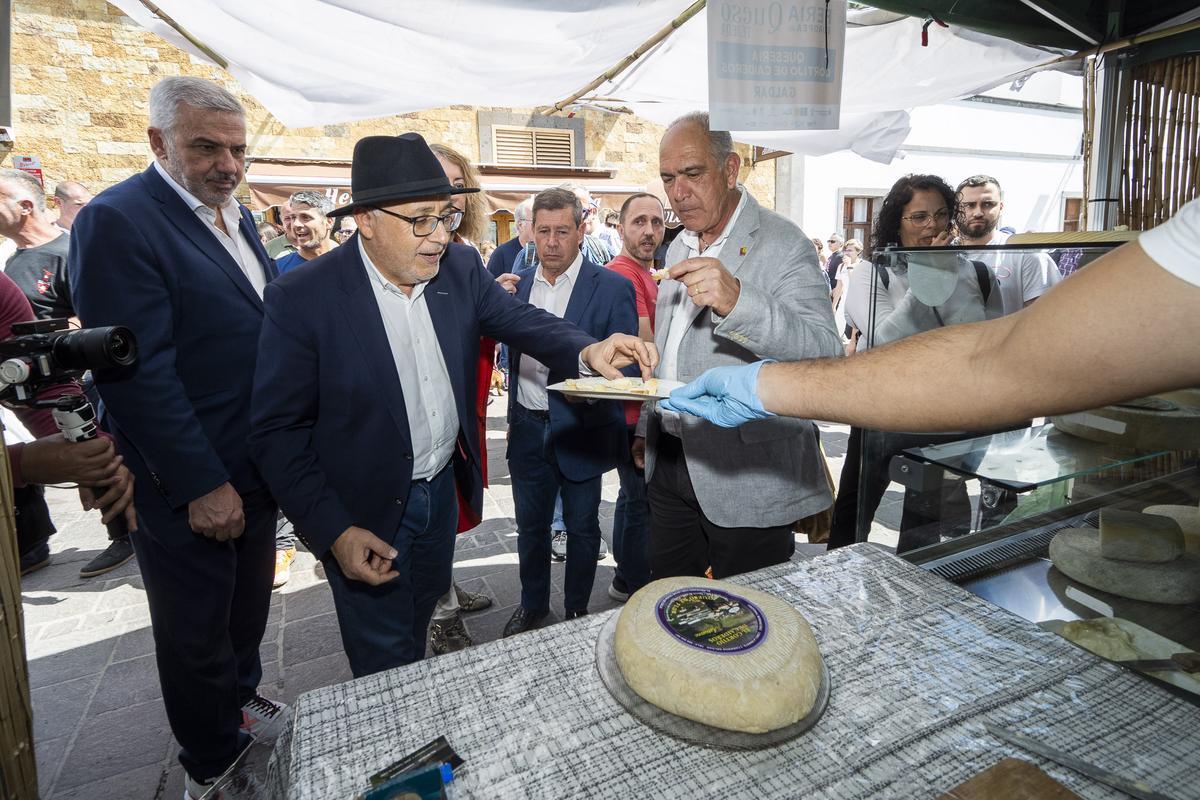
(171, 254)
(364, 418)
(1023, 276)
(555, 446)
(744, 284)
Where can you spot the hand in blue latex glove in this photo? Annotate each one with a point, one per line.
(725, 396)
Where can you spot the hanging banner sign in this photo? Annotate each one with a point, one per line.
(775, 66)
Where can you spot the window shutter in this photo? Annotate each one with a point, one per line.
(537, 147)
(552, 148)
(514, 146)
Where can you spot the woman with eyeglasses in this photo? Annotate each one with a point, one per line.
(882, 303)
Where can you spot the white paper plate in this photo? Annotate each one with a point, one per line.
(664, 389)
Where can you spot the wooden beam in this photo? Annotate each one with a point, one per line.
(1129, 41)
(199, 45)
(766, 154)
(628, 60)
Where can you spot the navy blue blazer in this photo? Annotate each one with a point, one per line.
(589, 438)
(330, 429)
(140, 257)
(503, 257)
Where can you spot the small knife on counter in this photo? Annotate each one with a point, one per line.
(1182, 662)
(1136, 789)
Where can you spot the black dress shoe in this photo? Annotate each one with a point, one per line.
(522, 621)
(575, 614)
(118, 552)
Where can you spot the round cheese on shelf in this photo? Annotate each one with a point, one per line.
(717, 653)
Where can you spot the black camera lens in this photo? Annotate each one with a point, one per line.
(95, 348)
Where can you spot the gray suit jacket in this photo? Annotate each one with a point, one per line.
(768, 472)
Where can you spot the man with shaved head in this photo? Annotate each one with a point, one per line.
(70, 196)
(744, 284)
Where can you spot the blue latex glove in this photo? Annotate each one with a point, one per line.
(725, 396)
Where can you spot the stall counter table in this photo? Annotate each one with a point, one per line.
(917, 666)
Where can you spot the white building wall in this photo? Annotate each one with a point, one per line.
(1033, 151)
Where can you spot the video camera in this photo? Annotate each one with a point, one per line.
(45, 352)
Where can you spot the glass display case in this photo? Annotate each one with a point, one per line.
(1087, 524)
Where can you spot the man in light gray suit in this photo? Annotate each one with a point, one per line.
(744, 285)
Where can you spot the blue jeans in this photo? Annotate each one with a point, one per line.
(385, 626)
(536, 481)
(631, 528)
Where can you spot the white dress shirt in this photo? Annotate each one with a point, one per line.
(681, 311)
(552, 297)
(236, 245)
(428, 395)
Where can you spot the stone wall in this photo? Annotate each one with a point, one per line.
(82, 72)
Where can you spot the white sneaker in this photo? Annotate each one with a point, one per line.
(197, 790)
(260, 714)
(558, 546)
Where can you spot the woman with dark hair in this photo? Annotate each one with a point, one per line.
(894, 297)
(883, 303)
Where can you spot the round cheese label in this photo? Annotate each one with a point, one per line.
(712, 620)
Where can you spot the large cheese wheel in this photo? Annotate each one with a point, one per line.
(717, 653)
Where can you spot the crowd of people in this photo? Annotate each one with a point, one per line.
(323, 382)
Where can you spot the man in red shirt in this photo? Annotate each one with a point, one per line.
(641, 228)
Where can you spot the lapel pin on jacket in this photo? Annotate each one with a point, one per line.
(743, 250)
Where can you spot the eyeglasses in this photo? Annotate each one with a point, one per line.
(426, 224)
(922, 217)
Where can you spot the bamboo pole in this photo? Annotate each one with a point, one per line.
(1089, 110)
(1171, 171)
(1162, 141)
(628, 60)
(1192, 133)
(199, 45)
(18, 769)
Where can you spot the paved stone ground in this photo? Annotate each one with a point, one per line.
(99, 726)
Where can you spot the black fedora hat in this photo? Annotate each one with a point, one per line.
(387, 169)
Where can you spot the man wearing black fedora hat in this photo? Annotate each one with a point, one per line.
(363, 399)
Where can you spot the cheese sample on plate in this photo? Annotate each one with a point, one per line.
(617, 386)
(725, 655)
(1103, 636)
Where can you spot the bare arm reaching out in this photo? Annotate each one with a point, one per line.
(1123, 327)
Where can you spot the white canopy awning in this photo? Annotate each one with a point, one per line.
(319, 62)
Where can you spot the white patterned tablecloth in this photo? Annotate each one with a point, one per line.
(917, 665)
